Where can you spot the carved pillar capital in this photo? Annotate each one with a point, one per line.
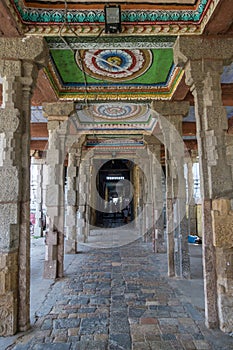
(58, 111)
(171, 108)
(202, 48)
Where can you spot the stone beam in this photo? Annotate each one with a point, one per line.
(26, 48)
(58, 110)
(171, 108)
(202, 48)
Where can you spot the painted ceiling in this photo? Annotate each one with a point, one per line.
(134, 65)
(118, 75)
(115, 117)
(113, 74)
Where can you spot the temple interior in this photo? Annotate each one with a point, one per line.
(116, 132)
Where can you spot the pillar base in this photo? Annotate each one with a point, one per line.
(25, 328)
(71, 246)
(50, 269)
(8, 293)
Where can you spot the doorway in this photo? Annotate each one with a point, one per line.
(114, 184)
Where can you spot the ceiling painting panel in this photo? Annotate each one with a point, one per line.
(113, 74)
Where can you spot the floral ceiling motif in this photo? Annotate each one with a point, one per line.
(115, 65)
(112, 75)
(114, 112)
(114, 117)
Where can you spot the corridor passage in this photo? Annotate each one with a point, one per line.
(120, 298)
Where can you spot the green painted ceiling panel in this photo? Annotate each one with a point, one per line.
(71, 74)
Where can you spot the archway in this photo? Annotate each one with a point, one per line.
(114, 185)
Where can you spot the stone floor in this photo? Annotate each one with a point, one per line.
(120, 298)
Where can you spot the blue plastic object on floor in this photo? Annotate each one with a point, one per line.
(193, 239)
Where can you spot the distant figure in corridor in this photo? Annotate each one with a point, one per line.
(126, 214)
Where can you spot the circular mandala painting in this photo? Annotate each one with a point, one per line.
(118, 111)
(114, 64)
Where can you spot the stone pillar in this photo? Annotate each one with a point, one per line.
(136, 184)
(191, 205)
(147, 213)
(154, 146)
(203, 60)
(57, 114)
(72, 202)
(38, 228)
(19, 62)
(170, 229)
(83, 209)
(170, 119)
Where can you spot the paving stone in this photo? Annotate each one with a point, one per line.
(119, 298)
(194, 313)
(66, 323)
(94, 325)
(152, 337)
(60, 339)
(136, 312)
(119, 341)
(22, 347)
(148, 320)
(141, 346)
(119, 324)
(160, 345)
(63, 315)
(54, 346)
(168, 336)
(73, 331)
(47, 324)
(201, 345)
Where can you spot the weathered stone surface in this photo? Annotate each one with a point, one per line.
(72, 201)
(52, 195)
(225, 309)
(50, 269)
(9, 193)
(8, 313)
(58, 109)
(197, 48)
(167, 108)
(210, 277)
(34, 48)
(222, 221)
(9, 120)
(8, 293)
(8, 238)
